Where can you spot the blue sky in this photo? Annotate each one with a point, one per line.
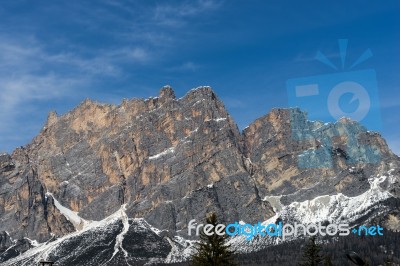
(54, 54)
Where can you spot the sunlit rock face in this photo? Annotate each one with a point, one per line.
(169, 160)
(302, 159)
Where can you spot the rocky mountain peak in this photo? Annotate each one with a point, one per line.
(171, 160)
(51, 118)
(202, 92)
(167, 92)
(5, 161)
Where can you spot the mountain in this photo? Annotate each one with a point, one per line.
(117, 185)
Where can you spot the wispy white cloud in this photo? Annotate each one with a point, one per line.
(18, 90)
(98, 65)
(189, 66)
(175, 15)
(24, 56)
(105, 62)
(30, 77)
(21, 76)
(21, 99)
(139, 54)
(36, 71)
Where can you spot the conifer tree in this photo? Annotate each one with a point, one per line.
(328, 261)
(213, 250)
(311, 255)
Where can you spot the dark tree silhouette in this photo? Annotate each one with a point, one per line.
(311, 255)
(213, 250)
(328, 260)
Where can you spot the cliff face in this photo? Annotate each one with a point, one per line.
(302, 159)
(171, 160)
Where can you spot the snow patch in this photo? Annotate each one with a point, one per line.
(331, 208)
(275, 202)
(71, 215)
(199, 101)
(33, 243)
(42, 251)
(64, 183)
(248, 159)
(120, 237)
(167, 151)
(184, 140)
(216, 119)
(334, 208)
(146, 224)
(182, 249)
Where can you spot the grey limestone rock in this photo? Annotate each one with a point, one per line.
(171, 160)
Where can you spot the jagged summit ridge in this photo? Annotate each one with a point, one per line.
(91, 112)
(169, 160)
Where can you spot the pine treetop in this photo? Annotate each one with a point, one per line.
(212, 250)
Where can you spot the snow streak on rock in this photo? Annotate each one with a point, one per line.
(337, 208)
(182, 249)
(167, 151)
(118, 244)
(71, 215)
(332, 208)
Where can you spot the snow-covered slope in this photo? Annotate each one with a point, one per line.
(337, 208)
(333, 209)
(118, 240)
(115, 240)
